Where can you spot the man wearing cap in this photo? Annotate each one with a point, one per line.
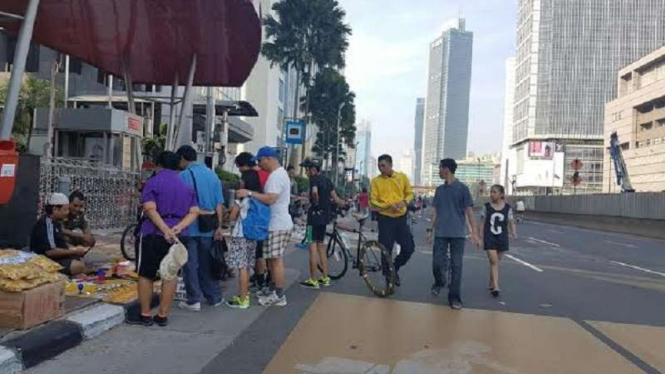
(277, 194)
(321, 195)
(48, 239)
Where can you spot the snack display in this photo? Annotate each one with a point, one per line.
(20, 271)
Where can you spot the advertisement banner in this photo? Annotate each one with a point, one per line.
(542, 150)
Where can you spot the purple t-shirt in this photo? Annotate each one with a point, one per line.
(172, 197)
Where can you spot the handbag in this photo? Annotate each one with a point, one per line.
(207, 222)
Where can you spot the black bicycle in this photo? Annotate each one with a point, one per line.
(369, 259)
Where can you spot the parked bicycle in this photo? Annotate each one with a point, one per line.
(369, 258)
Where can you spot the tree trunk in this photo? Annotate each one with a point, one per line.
(307, 89)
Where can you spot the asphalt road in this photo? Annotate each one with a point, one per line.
(554, 271)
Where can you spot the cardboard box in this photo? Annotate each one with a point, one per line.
(30, 308)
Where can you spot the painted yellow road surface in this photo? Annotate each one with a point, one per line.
(645, 342)
(353, 334)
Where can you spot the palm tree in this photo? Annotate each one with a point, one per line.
(306, 35)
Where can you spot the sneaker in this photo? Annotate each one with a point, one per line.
(139, 320)
(436, 290)
(239, 302)
(161, 321)
(196, 307)
(325, 282)
(214, 305)
(310, 283)
(273, 300)
(495, 292)
(264, 292)
(456, 305)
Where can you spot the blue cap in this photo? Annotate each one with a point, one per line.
(265, 152)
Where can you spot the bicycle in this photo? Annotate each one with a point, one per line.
(130, 240)
(369, 259)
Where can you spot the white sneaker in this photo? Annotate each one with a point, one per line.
(264, 292)
(273, 300)
(219, 303)
(191, 307)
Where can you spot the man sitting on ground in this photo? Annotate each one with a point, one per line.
(47, 237)
(76, 228)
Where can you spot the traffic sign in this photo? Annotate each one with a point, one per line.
(295, 132)
(576, 164)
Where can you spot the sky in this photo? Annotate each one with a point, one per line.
(388, 57)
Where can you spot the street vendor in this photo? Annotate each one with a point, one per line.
(76, 228)
(48, 239)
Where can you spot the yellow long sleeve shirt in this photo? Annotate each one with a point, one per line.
(390, 190)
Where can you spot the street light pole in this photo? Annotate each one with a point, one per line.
(339, 124)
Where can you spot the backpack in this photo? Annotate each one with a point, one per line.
(255, 226)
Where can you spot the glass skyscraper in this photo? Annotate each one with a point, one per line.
(448, 88)
(568, 55)
(418, 140)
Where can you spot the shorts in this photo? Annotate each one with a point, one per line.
(66, 264)
(152, 251)
(496, 243)
(241, 254)
(315, 234)
(276, 244)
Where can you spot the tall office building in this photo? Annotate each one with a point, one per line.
(507, 154)
(418, 140)
(447, 109)
(568, 54)
(364, 150)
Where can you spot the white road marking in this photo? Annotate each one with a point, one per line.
(621, 244)
(524, 263)
(543, 242)
(638, 268)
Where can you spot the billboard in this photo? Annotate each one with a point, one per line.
(543, 172)
(542, 150)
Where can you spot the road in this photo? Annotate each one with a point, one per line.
(573, 301)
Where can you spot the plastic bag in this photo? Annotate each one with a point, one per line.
(173, 261)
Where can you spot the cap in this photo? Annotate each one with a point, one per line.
(265, 152)
(58, 199)
(311, 163)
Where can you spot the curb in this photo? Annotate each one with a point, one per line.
(46, 342)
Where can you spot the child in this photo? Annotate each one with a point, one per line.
(496, 218)
(242, 252)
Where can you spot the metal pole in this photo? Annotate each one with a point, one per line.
(169, 131)
(66, 80)
(187, 99)
(339, 124)
(18, 68)
(110, 91)
(210, 119)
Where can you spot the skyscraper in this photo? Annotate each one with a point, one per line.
(568, 53)
(447, 110)
(507, 158)
(418, 140)
(364, 150)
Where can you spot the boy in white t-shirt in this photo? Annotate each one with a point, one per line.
(277, 194)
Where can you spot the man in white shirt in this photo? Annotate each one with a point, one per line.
(277, 194)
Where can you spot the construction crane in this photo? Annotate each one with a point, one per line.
(623, 179)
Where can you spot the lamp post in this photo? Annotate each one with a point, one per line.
(339, 124)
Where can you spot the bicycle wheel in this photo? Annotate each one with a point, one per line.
(372, 255)
(337, 259)
(129, 243)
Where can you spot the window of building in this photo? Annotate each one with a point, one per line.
(646, 126)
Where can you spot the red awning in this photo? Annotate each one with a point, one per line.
(154, 38)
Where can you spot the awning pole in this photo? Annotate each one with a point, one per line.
(169, 131)
(66, 80)
(18, 68)
(211, 114)
(129, 85)
(110, 91)
(187, 101)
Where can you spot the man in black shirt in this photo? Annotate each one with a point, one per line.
(322, 195)
(48, 239)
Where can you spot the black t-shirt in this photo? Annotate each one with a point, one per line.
(321, 210)
(47, 235)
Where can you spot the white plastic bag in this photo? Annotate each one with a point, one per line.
(173, 261)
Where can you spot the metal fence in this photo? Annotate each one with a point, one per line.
(112, 193)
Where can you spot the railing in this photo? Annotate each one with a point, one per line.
(111, 193)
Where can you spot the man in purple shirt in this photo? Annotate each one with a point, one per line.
(169, 206)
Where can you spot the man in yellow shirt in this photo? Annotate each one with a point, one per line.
(391, 194)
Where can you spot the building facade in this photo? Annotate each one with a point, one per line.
(364, 149)
(418, 140)
(638, 118)
(508, 155)
(405, 164)
(568, 53)
(446, 127)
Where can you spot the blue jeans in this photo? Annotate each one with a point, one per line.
(441, 264)
(199, 281)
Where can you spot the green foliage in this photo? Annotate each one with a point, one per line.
(229, 180)
(152, 146)
(35, 93)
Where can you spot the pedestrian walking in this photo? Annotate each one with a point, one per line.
(496, 221)
(198, 272)
(277, 194)
(242, 250)
(391, 195)
(322, 196)
(170, 207)
(452, 220)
